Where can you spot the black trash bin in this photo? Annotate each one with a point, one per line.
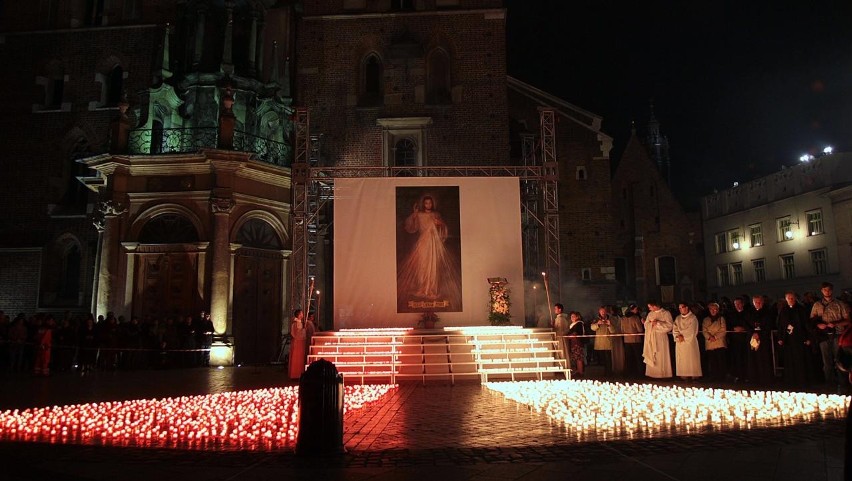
(320, 410)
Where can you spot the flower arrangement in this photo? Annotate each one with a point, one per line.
(499, 303)
(428, 320)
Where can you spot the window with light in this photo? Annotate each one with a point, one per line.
(756, 234)
(815, 226)
(785, 229)
(734, 240)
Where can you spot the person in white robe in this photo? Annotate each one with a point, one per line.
(687, 354)
(655, 352)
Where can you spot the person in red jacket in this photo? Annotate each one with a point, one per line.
(43, 343)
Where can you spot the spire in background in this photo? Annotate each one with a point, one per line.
(658, 146)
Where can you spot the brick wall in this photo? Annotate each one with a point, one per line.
(20, 16)
(645, 206)
(39, 148)
(19, 278)
(336, 7)
(585, 226)
(472, 130)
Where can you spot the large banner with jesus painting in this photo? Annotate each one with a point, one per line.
(406, 246)
(428, 249)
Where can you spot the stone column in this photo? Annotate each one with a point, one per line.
(221, 263)
(109, 213)
(130, 279)
(98, 221)
(233, 254)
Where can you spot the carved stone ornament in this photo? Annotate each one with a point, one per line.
(222, 205)
(111, 208)
(104, 210)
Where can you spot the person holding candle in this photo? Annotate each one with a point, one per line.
(687, 354)
(829, 318)
(604, 327)
(655, 352)
(631, 326)
(577, 343)
(310, 329)
(795, 342)
(735, 321)
(298, 354)
(560, 325)
(759, 323)
(714, 329)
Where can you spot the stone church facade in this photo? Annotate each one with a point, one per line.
(149, 145)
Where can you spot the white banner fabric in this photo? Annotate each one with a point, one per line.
(369, 214)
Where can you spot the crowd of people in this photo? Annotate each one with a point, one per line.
(752, 340)
(796, 342)
(40, 344)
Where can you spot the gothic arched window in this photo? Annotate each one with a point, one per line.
(438, 77)
(372, 80)
(69, 289)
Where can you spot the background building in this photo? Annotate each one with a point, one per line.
(790, 230)
(584, 195)
(658, 246)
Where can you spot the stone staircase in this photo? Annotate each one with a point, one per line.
(465, 353)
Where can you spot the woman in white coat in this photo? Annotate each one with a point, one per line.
(687, 354)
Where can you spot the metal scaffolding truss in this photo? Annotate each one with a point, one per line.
(550, 177)
(313, 189)
(318, 191)
(300, 173)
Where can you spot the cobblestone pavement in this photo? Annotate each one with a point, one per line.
(434, 432)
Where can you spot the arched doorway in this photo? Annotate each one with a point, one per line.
(166, 281)
(258, 277)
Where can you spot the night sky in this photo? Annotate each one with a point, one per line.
(740, 88)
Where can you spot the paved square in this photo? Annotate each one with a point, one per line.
(431, 431)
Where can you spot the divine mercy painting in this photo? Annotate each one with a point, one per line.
(428, 249)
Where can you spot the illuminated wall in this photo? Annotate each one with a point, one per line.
(366, 225)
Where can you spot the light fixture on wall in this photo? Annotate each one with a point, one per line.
(789, 233)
